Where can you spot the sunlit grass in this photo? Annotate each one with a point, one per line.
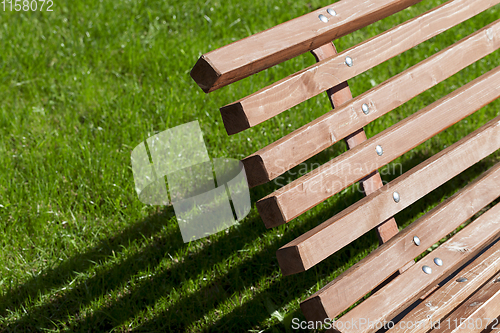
(81, 86)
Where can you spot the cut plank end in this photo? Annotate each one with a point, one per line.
(205, 75)
(270, 212)
(234, 118)
(255, 170)
(290, 260)
(313, 309)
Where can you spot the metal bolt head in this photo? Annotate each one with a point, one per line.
(331, 11)
(396, 197)
(438, 261)
(462, 279)
(379, 150)
(365, 108)
(416, 240)
(427, 270)
(348, 61)
(323, 18)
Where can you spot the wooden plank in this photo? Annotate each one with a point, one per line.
(407, 287)
(305, 142)
(358, 280)
(320, 242)
(288, 92)
(452, 294)
(265, 49)
(318, 185)
(476, 313)
(373, 182)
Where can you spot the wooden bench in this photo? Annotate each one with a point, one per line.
(390, 273)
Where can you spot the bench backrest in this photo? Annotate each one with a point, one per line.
(314, 32)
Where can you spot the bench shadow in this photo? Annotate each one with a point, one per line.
(240, 277)
(145, 293)
(56, 277)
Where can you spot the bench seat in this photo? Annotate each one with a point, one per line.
(402, 286)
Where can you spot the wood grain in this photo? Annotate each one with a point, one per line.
(371, 271)
(406, 288)
(318, 185)
(453, 293)
(322, 241)
(292, 90)
(485, 303)
(265, 49)
(333, 126)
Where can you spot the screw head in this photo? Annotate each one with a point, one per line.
(427, 270)
(365, 108)
(438, 261)
(416, 240)
(462, 279)
(379, 150)
(348, 61)
(323, 18)
(331, 11)
(396, 197)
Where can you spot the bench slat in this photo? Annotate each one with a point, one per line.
(255, 53)
(358, 280)
(318, 185)
(328, 129)
(284, 94)
(407, 287)
(484, 304)
(453, 293)
(317, 244)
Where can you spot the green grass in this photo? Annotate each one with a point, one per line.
(81, 86)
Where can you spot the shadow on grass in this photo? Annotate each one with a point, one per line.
(245, 316)
(204, 300)
(53, 278)
(148, 291)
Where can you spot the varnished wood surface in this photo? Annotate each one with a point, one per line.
(284, 94)
(322, 241)
(265, 49)
(358, 280)
(406, 288)
(318, 185)
(347, 118)
(483, 305)
(435, 308)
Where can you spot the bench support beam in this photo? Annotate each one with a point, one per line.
(339, 95)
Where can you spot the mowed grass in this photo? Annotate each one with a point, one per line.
(81, 86)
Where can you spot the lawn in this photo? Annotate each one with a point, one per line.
(83, 85)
